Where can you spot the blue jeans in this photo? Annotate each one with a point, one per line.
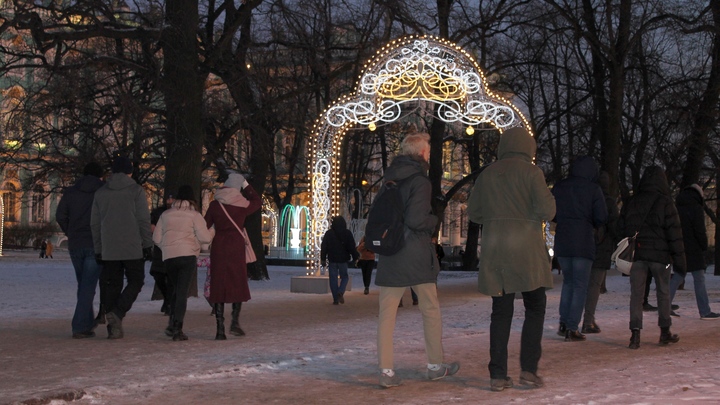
(335, 269)
(701, 295)
(87, 274)
(576, 276)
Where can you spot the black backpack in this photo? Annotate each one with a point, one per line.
(385, 228)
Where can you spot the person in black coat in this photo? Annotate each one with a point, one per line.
(651, 213)
(73, 216)
(337, 249)
(692, 217)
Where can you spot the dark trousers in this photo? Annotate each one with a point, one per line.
(367, 267)
(597, 277)
(531, 338)
(638, 278)
(114, 297)
(180, 271)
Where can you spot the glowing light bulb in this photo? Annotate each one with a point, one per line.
(372, 126)
(469, 130)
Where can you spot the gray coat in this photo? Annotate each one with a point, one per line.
(416, 263)
(120, 219)
(511, 200)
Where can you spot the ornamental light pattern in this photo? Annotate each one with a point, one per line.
(402, 72)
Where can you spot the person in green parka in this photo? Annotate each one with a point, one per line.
(511, 201)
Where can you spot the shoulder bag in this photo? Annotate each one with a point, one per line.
(249, 252)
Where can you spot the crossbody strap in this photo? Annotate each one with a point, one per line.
(242, 231)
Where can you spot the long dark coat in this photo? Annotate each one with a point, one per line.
(511, 200)
(228, 269)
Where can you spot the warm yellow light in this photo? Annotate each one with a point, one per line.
(364, 182)
(469, 130)
(372, 126)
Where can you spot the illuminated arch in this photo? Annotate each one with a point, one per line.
(406, 70)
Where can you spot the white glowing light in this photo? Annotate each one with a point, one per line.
(405, 71)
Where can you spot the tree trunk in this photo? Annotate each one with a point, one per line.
(182, 86)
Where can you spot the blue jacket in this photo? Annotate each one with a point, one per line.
(580, 208)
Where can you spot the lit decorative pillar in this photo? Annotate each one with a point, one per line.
(2, 223)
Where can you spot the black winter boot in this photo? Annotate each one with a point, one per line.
(235, 323)
(170, 330)
(219, 317)
(667, 337)
(635, 339)
(562, 329)
(178, 332)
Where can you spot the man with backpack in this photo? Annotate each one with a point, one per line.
(414, 264)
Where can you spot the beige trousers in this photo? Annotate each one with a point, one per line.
(432, 322)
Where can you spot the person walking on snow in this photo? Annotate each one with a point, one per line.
(120, 223)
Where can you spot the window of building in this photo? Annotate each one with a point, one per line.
(10, 202)
(37, 213)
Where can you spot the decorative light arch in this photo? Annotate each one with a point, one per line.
(405, 70)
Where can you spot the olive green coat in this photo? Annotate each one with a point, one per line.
(511, 200)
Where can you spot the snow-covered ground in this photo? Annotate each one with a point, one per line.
(300, 349)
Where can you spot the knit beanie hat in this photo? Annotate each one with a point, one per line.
(235, 180)
(121, 164)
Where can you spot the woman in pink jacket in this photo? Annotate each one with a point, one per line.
(179, 233)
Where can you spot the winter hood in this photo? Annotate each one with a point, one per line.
(338, 224)
(119, 181)
(654, 181)
(585, 167)
(404, 166)
(517, 143)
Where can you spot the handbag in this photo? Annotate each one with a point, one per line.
(250, 256)
(624, 255)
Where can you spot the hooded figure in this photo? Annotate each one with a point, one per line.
(337, 249)
(580, 209)
(651, 214)
(511, 200)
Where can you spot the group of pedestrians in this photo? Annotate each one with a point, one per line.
(111, 235)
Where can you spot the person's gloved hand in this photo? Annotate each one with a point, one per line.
(98, 258)
(147, 254)
(242, 180)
